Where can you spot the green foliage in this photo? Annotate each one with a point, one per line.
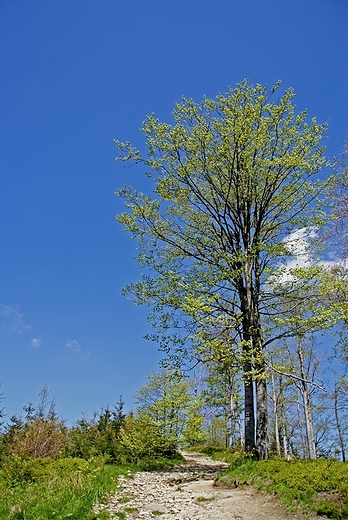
(338, 195)
(141, 439)
(42, 489)
(165, 399)
(99, 436)
(233, 177)
(233, 456)
(168, 400)
(40, 434)
(46, 489)
(110, 435)
(319, 485)
(193, 431)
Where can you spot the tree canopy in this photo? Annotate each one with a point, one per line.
(234, 178)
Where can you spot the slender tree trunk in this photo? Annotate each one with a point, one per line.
(232, 412)
(262, 445)
(262, 419)
(338, 425)
(285, 443)
(276, 421)
(227, 425)
(303, 439)
(307, 405)
(240, 426)
(284, 431)
(309, 424)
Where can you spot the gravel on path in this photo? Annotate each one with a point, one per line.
(188, 492)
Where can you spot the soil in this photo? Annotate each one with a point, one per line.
(189, 492)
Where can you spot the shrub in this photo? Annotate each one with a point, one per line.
(139, 438)
(99, 436)
(40, 434)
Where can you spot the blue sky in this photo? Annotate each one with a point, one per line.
(76, 74)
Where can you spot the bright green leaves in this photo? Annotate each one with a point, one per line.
(168, 400)
(234, 176)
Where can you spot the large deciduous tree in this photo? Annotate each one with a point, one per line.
(234, 176)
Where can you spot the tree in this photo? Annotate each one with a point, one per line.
(98, 436)
(40, 434)
(308, 361)
(168, 399)
(340, 408)
(233, 177)
(338, 195)
(222, 396)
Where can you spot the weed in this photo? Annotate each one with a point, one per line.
(204, 499)
(124, 500)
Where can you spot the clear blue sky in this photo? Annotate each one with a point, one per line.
(76, 74)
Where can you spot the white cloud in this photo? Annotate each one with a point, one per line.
(11, 320)
(298, 244)
(36, 343)
(73, 345)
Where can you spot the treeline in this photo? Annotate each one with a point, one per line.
(117, 437)
(307, 418)
(175, 410)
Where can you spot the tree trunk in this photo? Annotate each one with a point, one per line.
(309, 424)
(276, 421)
(232, 412)
(303, 439)
(338, 425)
(284, 431)
(240, 426)
(261, 389)
(305, 390)
(249, 419)
(262, 418)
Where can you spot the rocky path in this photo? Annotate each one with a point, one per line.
(187, 492)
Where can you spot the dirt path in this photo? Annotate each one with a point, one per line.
(188, 493)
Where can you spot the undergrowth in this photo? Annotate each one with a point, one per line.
(319, 485)
(62, 489)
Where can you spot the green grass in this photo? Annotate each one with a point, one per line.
(315, 485)
(44, 489)
(63, 489)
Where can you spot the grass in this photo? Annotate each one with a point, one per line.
(314, 485)
(62, 489)
(44, 489)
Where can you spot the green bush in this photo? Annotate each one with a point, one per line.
(100, 436)
(139, 439)
(319, 485)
